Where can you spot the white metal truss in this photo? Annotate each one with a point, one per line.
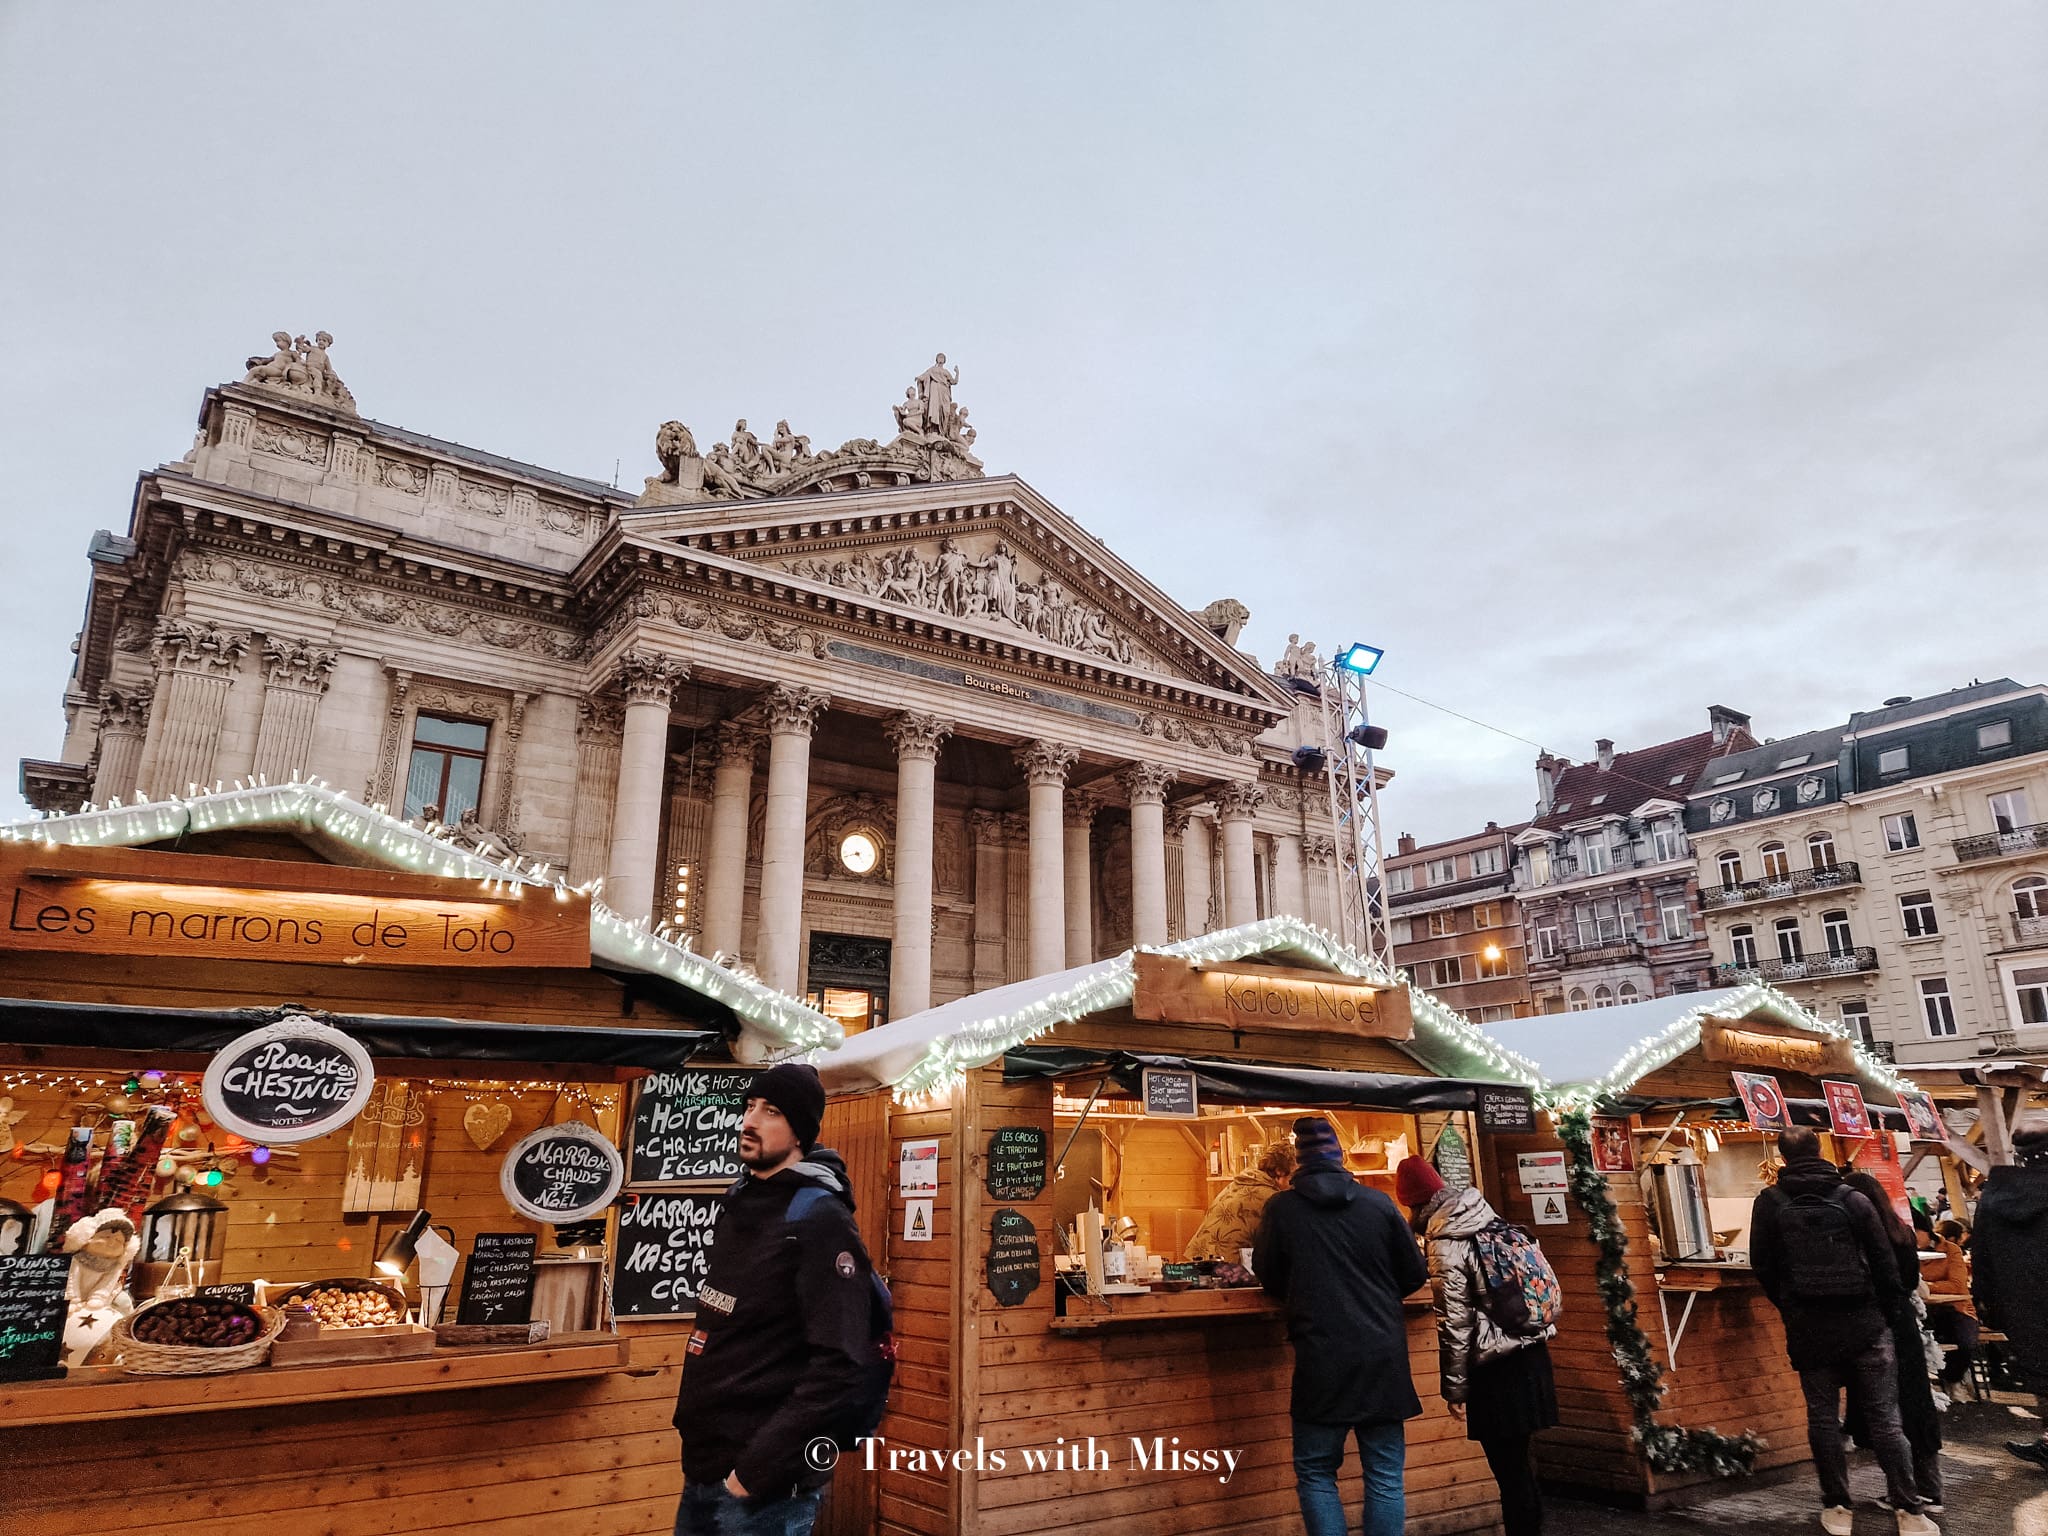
(1355, 815)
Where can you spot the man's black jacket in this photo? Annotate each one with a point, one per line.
(783, 1332)
(1340, 1258)
(2009, 1264)
(1819, 1333)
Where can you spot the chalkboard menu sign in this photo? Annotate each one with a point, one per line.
(686, 1126)
(497, 1286)
(244, 1293)
(1453, 1159)
(1013, 1259)
(564, 1172)
(663, 1253)
(32, 1313)
(287, 1082)
(1016, 1162)
(1505, 1108)
(1170, 1093)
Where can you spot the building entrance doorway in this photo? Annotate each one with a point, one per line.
(849, 979)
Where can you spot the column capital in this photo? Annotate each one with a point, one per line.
(289, 663)
(125, 709)
(1240, 801)
(1046, 762)
(1320, 850)
(1146, 783)
(601, 716)
(649, 677)
(917, 736)
(191, 645)
(793, 710)
(1080, 806)
(737, 742)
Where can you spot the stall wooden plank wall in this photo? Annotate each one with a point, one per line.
(1212, 1383)
(1732, 1375)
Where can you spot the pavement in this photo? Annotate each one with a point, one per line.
(1990, 1492)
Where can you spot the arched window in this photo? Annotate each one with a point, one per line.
(1603, 997)
(1820, 851)
(1791, 942)
(1730, 865)
(2030, 896)
(1742, 946)
(1836, 926)
(1576, 1002)
(1628, 992)
(1777, 863)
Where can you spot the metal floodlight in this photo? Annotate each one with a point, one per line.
(1360, 658)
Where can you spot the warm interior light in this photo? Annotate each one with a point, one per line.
(402, 1245)
(1491, 952)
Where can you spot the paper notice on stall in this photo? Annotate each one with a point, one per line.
(1550, 1211)
(917, 1169)
(917, 1221)
(1540, 1171)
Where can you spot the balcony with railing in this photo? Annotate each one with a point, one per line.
(1600, 951)
(2029, 930)
(1851, 962)
(2002, 845)
(1804, 882)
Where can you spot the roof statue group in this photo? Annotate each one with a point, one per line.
(300, 367)
(933, 442)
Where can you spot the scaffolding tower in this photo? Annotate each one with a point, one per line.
(1348, 742)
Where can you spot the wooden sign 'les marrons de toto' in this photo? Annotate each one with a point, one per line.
(1170, 989)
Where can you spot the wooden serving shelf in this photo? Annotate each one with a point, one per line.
(104, 1392)
(1237, 1304)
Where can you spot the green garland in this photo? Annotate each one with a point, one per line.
(1666, 1447)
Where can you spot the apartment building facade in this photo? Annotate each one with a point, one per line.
(1457, 926)
(1605, 872)
(1890, 871)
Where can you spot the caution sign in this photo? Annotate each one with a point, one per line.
(917, 1221)
(1550, 1211)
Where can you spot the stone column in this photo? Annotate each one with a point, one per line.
(648, 679)
(792, 716)
(1146, 785)
(1078, 867)
(1322, 886)
(196, 665)
(1197, 844)
(917, 739)
(990, 854)
(725, 852)
(1045, 765)
(598, 724)
(124, 718)
(1290, 891)
(295, 677)
(1237, 804)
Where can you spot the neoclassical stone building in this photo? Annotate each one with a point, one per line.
(885, 727)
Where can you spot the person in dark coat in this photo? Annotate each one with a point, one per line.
(784, 1326)
(1498, 1380)
(1841, 1339)
(1339, 1258)
(1917, 1414)
(2009, 1264)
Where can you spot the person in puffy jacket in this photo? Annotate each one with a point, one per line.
(2009, 1257)
(1499, 1383)
(1338, 1258)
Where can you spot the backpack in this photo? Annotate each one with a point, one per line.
(861, 1416)
(1522, 1293)
(1824, 1259)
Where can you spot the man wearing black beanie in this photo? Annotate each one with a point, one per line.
(785, 1351)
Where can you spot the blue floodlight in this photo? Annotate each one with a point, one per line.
(1360, 658)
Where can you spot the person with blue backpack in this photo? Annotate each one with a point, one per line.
(791, 1357)
(1497, 1304)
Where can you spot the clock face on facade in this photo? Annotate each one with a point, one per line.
(1721, 809)
(859, 853)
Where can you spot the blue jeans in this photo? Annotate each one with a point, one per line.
(1319, 1452)
(708, 1510)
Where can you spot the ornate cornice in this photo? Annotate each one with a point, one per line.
(792, 710)
(297, 664)
(1238, 801)
(1045, 762)
(917, 736)
(191, 645)
(649, 677)
(1146, 783)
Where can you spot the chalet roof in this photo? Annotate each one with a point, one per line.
(1665, 771)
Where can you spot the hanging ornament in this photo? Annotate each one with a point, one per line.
(166, 1166)
(485, 1123)
(259, 1155)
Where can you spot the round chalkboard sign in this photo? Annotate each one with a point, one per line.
(562, 1173)
(289, 1081)
(1013, 1259)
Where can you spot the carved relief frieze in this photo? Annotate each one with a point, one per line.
(1195, 734)
(288, 440)
(733, 623)
(397, 475)
(489, 500)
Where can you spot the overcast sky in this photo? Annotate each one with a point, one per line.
(1602, 362)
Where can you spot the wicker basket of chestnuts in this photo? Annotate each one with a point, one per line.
(195, 1336)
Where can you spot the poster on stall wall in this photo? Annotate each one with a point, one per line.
(917, 1169)
(1764, 1101)
(1846, 1110)
(1613, 1150)
(1880, 1159)
(1921, 1116)
(1540, 1172)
